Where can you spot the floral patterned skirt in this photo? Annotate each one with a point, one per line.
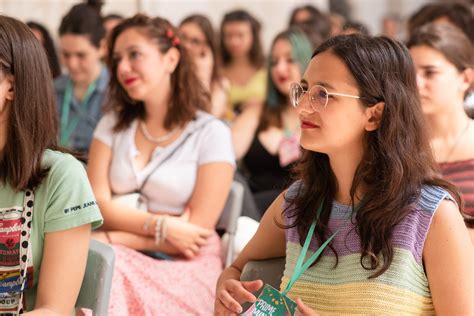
(143, 285)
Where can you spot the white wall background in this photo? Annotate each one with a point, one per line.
(273, 14)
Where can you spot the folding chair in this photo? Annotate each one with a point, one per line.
(270, 271)
(229, 217)
(95, 289)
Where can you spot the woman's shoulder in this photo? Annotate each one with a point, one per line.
(208, 121)
(62, 166)
(55, 160)
(259, 77)
(293, 190)
(110, 117)
(108, 122)
(431, 197)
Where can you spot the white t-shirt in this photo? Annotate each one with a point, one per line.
(173, 168)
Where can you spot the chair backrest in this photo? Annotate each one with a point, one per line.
(95, 289)
(229, 218)
(270, 271)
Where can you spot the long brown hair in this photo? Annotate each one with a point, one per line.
(32, 125)
(397, 161)
(187, 93)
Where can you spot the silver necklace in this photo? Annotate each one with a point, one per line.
(156, 140)
(456, 142)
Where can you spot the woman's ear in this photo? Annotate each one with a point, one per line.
(172, 59)
(374, 116)
(10, 81)
(467, 79)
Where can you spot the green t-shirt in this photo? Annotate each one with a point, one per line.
(63, 200)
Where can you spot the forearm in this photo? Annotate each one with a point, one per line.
(141, 243)
(45, 311)
(118, 217)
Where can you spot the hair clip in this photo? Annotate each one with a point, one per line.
(175, 41)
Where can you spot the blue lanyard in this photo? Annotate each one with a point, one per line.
(69, 126)
(301, 268)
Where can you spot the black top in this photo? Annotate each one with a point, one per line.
(263, 170)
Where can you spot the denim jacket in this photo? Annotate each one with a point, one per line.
(82, 136)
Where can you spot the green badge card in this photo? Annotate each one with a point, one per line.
(272, 303)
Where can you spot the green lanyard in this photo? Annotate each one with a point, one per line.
(69, 126)
(301, 268)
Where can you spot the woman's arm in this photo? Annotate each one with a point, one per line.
(62, 270)
(220, 97)
(268, 242)
(116, 215)
(210, 193)
(448, 258)
(120, 218)
(134, 241)
(244, 128)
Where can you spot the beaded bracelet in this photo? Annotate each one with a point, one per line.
(158, 226)
(146, 225)
(163, 227)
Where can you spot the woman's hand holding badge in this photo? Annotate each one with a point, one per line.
(232, 293)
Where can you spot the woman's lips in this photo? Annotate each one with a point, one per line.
(129, 81)
(306, 125)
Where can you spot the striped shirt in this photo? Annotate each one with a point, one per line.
(461, 174)
(402, 289)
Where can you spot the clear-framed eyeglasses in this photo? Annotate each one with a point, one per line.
(318, 96)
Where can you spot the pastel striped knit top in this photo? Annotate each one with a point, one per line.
(346, 289)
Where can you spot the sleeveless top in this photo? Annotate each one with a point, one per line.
(461, 174)
(263, 169)
(402, 289)
(255, 88)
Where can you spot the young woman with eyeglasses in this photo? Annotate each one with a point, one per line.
(199, 39)
(368, 179)
(444, 61)
(157, 140)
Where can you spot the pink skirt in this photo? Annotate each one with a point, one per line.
(146, 286)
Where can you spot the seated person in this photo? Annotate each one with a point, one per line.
(367, 183)
(267, 140)
(157, 140)
(47, 207)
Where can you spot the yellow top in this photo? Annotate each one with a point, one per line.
(254, 89)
